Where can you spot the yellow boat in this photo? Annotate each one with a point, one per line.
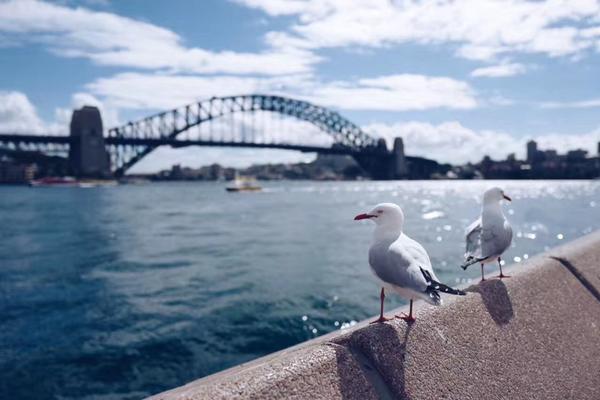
(244, 184)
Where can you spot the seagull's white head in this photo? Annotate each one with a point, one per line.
(494, 195)
(385, 215)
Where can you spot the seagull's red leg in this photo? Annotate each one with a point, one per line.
(408, 318)
(501, 274)
(482, 276)
(381, 317)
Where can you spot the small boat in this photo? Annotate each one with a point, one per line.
(244, 184)
(60, 181)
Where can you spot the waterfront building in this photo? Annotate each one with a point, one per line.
(543, 164)
(531, 151)
(13, 173)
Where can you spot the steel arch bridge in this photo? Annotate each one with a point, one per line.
(135, 140)
(129, 143)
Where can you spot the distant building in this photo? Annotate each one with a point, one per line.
(547, 164)
(14, 173)
(576, 155)
(22, 166)
(548, 155)
(531, 151)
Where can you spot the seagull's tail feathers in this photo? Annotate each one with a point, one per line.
(470, 261)
(434, 287)
(446, 289)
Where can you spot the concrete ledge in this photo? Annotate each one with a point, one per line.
(583, 263)
(533, 336)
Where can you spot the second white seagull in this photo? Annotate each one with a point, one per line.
(490, 235)
(400, 263)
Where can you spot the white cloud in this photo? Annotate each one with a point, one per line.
(480, 52)
(391, 93)
(140, 91)
(109, 39)
(591, 103)
(448, 141)
(499, 100)
(499, 71)
(479, 29)
(282, 7)
(398, 93)
(454, 143)
(110, 114)
(482, 29)
(18, 115)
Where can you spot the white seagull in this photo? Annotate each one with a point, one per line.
(400, 263)
(490, 235)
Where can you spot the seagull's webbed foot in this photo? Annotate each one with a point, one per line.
(380, 320)
(502, 276)
(408, 318)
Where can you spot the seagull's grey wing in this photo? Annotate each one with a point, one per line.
(414, 250)
(496, 238)
(395, 265)
(473, 240)
(405, 265)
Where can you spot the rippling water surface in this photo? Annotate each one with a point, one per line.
(127, 291)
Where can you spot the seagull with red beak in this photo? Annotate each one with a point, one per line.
(401, 264)
(490, 235)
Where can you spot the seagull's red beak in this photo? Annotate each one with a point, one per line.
(506, 197)
(363, 216)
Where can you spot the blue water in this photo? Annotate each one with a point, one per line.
(122, 292)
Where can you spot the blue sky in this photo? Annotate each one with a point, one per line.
(456, 79)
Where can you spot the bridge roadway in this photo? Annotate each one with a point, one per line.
(375, 160)
(110, 140)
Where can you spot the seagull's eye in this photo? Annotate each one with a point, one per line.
(379, 211)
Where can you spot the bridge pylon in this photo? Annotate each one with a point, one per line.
(400, 166)
(382, 164)
(87, 152)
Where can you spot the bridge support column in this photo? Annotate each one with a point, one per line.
(376, 161)
(399, 163)
(87, 155)
(381, 164)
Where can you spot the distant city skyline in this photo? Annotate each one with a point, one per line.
(457, 80)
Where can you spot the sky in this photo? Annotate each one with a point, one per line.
(455, 79)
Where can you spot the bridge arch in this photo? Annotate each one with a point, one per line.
(164, 127)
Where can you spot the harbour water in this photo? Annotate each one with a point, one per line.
(121, 292)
